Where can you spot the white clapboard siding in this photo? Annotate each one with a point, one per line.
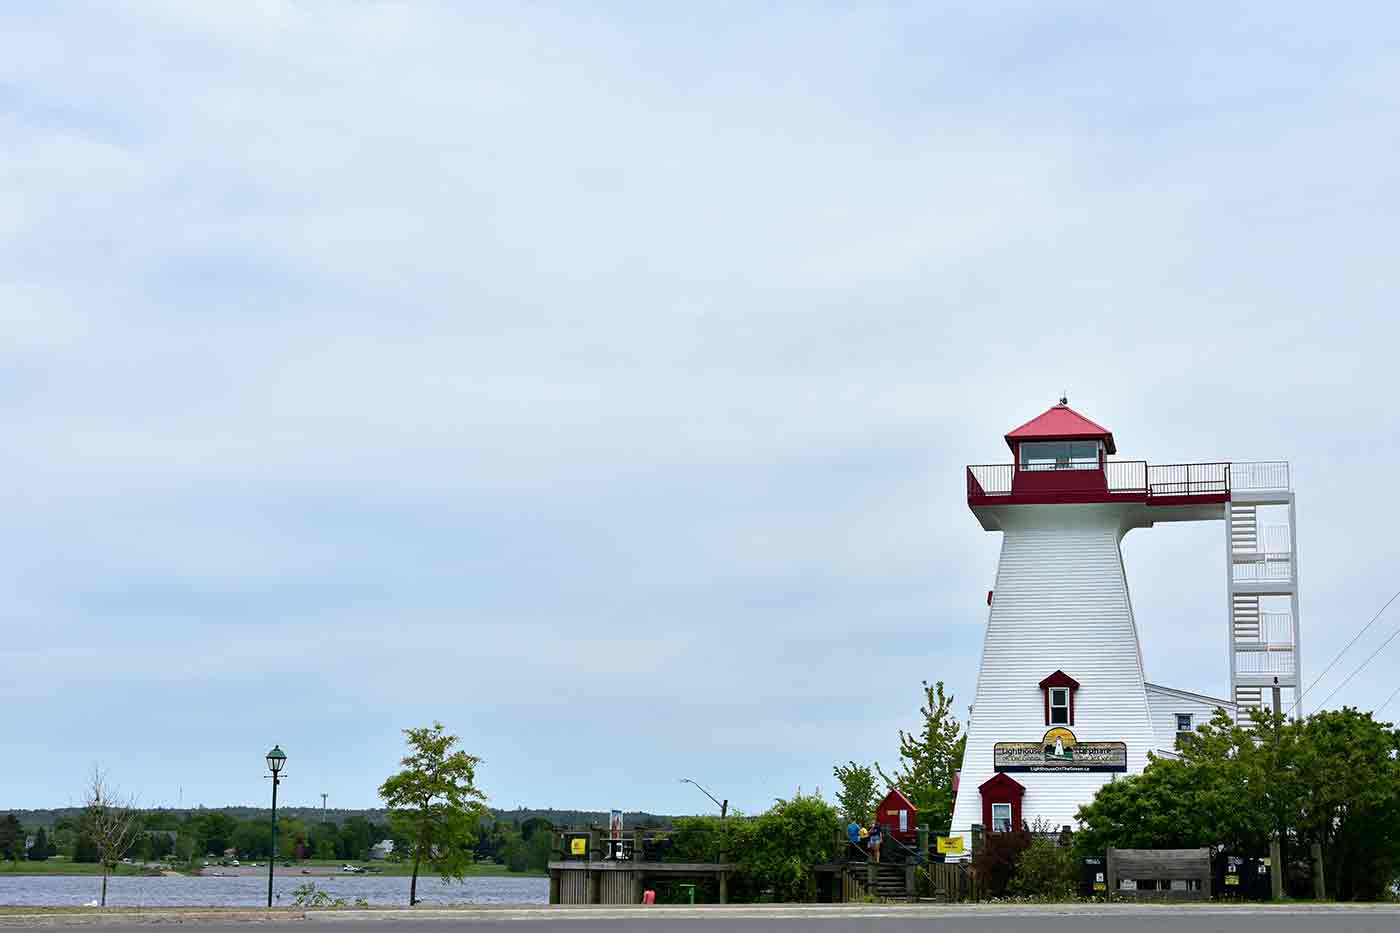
(1060, 603)
(1166, 702)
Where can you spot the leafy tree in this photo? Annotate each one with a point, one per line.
(516, 854)
(1332, 778)
(64, 837)
(1344, 793)
(321, 839)
(357, 834)
(929, 758)
(534, 825)
(778, 849)
(85, 848)
(11, 838)
(253, 839)
(41, 849)
(291, 838)
(215, 832)
(704, 838)
(435, 801)
(158, 843)
(858, 793)
(540, 845)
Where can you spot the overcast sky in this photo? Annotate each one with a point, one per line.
(600, 383)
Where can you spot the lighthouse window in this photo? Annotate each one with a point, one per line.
(1059, 706)
(1001, 817)
(1060, 455)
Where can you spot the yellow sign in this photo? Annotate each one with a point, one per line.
(578, 846)
(950, 845)
(1232, 879)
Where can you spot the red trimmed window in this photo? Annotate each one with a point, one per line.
(1058, 690)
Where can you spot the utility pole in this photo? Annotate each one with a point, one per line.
(1276, 843)
(323, 808)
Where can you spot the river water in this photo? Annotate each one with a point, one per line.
(251, 891)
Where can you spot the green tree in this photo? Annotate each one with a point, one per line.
(1332, 779)
(928, 758)
(11, 838)
(1344, 793)
(540, 845)
(858, 792)
(516, 854)
(291, 838)
(215, 832)
(778, 849)
(64, 837)
(435, 800)
(357, 834)
(85, 849)
(321, 839)
(253, 839)
(41, 849)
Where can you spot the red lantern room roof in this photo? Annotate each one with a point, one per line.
(1061, 423)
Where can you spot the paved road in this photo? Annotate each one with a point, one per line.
(856, 919)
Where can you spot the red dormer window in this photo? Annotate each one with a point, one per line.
(1058, 690)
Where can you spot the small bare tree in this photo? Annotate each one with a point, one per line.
(112, 821)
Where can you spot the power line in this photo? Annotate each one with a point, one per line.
(1393, 694)
(1298, 702)
(1359, 669)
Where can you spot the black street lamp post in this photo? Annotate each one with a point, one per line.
(723, 805)
(275, 760)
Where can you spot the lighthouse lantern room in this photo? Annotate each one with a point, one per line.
(1062, 703)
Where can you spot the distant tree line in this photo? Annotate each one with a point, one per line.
(520, 845)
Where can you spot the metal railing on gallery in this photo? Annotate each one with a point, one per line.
(1126, 477)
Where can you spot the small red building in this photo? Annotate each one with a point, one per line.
(898, 816)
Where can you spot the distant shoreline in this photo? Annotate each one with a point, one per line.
(319, 869)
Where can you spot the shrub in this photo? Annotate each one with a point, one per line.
(995, 862)
(784, 843)
(773, 853)
(1044, 870)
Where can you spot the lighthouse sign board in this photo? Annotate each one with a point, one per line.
(1060, 751)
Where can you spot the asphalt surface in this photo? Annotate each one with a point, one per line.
(980, 919)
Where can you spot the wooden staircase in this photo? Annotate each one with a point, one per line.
(890, 881)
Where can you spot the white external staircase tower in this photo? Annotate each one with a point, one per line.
(1261, 573)
(1062, 703)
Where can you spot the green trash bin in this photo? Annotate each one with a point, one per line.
(689, 889)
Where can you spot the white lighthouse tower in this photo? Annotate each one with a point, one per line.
(1063, 704)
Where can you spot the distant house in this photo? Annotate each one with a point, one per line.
(382, 849)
